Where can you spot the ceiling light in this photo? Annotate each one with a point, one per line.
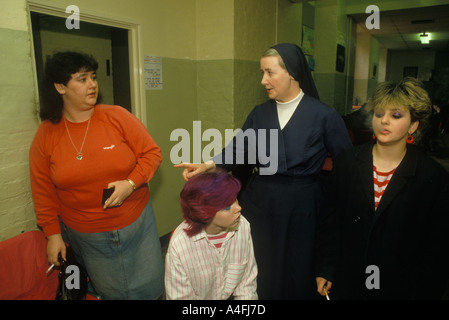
(424, 38)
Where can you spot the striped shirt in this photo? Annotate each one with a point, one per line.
(195, 269)
(217, 240)
(381, 180)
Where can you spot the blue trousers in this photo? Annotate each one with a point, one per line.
(124, 264)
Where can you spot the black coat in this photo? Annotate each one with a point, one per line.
(407, 238)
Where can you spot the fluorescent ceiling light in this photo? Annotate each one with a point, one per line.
(424, 38)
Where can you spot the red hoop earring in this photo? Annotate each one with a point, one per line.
(374, 136)
(410, 139)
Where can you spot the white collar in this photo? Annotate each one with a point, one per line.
(295, 101)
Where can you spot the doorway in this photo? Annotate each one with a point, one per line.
(108, 45)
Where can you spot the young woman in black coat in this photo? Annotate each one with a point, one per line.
(383, 232)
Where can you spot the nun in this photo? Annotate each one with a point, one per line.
(290, 136)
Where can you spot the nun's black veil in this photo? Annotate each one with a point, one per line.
(297, 66)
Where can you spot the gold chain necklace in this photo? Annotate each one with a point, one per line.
(79, 155)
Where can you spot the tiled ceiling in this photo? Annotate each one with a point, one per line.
(400, 29)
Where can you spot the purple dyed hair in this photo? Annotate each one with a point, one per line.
(204, 195)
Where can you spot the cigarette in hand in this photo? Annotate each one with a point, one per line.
(51, 267)
(327, 296)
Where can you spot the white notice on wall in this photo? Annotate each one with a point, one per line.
(153, 72)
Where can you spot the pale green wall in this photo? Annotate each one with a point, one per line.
(166, 30)
(290, 20)
(254, 32)
(362, 61)
(374, 61)
(210, 60)
(17, 120)
(326, 20)
(168, 109)
(332, 27)
(248, 89)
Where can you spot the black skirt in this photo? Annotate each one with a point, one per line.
(282, 212)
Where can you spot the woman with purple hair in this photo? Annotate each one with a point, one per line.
(210, 255)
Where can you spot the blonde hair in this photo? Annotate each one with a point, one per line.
(407, 93)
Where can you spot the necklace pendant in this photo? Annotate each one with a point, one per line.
(79, 156)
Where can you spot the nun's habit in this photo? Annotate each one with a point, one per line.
(282, 198)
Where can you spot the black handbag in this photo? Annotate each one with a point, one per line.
(73, 278)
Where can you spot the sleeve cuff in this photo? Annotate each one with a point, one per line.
(51, 229)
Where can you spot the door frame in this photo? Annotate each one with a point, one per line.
(135, 47)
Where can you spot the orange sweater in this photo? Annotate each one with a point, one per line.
(117, 147)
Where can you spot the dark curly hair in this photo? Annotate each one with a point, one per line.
(59, 69)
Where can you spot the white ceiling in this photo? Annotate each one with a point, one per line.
(400, 29)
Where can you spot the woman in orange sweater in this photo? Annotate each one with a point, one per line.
(80, 149)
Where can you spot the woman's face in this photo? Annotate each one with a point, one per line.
(81, 90)
(393, 124)
(226, 218)
(280, 85)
